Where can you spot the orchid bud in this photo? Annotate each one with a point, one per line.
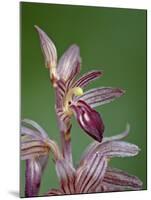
(89, 120)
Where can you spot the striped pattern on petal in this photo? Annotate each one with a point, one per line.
(73, 75)
(90, 173)
(119, 177)
(33, 148)
(68, 66)
(33, 177)
(114, 149)
(66, 174)
(35, 142)
(28, 133)
(48, 48)
(60, 95)
(88, 77)
(99, 96)
(118, 149)
(35, 126)
(91, 149)
(108, 187)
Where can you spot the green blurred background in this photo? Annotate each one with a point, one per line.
(110, 39)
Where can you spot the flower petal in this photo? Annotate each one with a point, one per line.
(33, 148)
(108, 187)
(89, 120)
(115, 149)
(90, 173)
(60, 93)
(119, 177)
(87, 78)
(48, 49)
(35, 142)
(118, 149)
(69, 63)
(33, 177)
(28, 132)
(99, 96)
(112, 149)
(66, 174)
(35, 126)
(91, 149)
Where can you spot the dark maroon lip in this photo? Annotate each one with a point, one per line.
(89, 120)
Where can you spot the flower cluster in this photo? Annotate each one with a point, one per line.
(93, 173)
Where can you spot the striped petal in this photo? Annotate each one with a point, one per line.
(62, 118)
(35, 142)
(89, 120)
(29, 133)
(87, 78)
(35, 127)
(91, 149)
(33, 177)
(120, 178)
(108, 187)
(66, 174)
(99, 96)
(118, 149)
(69, 64)
(90, 174)
(33, 148)
(115, 149)
(48, 49)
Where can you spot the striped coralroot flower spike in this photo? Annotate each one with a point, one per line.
(93, 173)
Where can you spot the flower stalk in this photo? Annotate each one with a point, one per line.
(65, 136)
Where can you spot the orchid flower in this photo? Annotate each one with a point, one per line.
(93, 173)
(35, 149)
(70, 97)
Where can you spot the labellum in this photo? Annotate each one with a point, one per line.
(89, 120)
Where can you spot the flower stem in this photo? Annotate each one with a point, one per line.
(65, 136)
(66, 145)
